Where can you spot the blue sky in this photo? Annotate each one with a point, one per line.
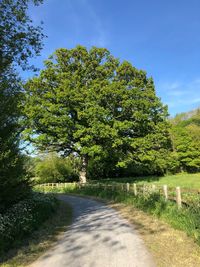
(160, 37)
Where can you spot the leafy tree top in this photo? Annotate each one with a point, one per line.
(86, 101)
(20, 39)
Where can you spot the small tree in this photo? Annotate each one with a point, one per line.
(53, 169)
(185, 134)
(87, 102)
(186, 144)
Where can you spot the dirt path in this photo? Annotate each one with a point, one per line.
(98, 237)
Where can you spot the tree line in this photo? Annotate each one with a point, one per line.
(19, 41)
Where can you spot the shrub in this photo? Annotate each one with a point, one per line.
(22, 218)
(54, 169)
(14, 185)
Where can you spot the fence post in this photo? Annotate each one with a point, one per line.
(178, 197)
(135, 189)
(127, 187)
(165, 192)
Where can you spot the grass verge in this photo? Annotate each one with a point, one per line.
(40, 240)
(168, 246)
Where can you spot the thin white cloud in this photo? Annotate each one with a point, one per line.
(193, 101)
(100, 39)
(172, 86)
(180, 95)
(176, 93)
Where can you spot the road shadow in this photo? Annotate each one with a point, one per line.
(94, 223)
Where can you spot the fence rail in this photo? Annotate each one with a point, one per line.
(183, 196)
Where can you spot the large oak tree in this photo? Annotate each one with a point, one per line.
(87, 102)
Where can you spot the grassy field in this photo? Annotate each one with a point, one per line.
(184, 180)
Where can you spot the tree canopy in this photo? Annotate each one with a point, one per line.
(19, 41)
(88, 102)
(186, 140)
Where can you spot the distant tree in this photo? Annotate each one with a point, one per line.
(186, 140)
(52, 169)
(87, 102)
(19, 41)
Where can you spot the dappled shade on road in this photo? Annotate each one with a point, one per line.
(98, 237)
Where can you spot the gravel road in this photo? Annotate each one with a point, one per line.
(98, 237)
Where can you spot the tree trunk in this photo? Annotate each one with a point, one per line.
(83, 172)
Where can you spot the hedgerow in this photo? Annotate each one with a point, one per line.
(24, 217)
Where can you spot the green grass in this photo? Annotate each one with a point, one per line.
(184, 180)
(40, 240)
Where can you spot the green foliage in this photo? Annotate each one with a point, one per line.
(40, 240)
(19, 41)
(22, 218)
(11, 162)
(86, 101)
(30, 164)
(104, 166)
(54, 169)
(186, 140)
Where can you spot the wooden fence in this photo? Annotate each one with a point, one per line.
(182, 197)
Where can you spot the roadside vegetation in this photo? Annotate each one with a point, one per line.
(161, 239)
(22, 218)
(40, 239)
